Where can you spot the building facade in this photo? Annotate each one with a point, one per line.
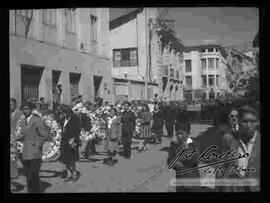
(69, 47)
(205, 72)
(146, 65)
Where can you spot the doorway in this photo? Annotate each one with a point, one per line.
(97, 82)
(55, 91)
(74, 80)
(30, 79)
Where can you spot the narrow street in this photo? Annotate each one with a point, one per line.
(144, 172)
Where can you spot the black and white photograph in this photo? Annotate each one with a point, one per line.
(134, 100)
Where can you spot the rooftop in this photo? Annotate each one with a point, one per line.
(124, 18)
(206, 46)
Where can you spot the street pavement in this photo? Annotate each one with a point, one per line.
(145, 171)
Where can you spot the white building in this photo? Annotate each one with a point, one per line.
(143, 58)
(60, 46)
(205, 72)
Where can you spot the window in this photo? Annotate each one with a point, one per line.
(93, 28)
(177, 74)
(211, 50)
(202, 50)
(188, 65)
(217, 63)
(165, 70)
(211, 80)
(204, 80)
(116, 58)
(217, 80)
(133, 57)
(188, 81)
(171, 73)
(211, 63)
(203, 63)
(125, 57)
(50, 17)
(70, 20)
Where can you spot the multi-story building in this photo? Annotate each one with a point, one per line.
(60, 46)
(145, 65)
(204, 72)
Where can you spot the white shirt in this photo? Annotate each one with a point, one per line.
(245, 149)
(110, 121)
(66, 121)
(28, 119)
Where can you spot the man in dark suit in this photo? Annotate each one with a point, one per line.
(33, 136)
(248, 141)
(128, 128)
(170, 119)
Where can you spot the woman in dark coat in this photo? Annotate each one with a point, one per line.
(181, 117)
(70, 142)
(158, 122)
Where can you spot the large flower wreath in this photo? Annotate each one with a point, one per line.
(50, 149)
(97, 121)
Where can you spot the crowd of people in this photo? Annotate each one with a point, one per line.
(121, 123)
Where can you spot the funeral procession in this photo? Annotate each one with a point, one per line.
(144, 100)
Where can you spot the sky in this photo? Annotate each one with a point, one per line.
(224, 25)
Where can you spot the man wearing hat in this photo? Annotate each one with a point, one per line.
(33, 136)
(128, 127)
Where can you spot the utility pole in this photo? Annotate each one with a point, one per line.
(147, 55)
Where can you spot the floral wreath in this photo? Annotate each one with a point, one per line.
(55, 136)
(98, 124)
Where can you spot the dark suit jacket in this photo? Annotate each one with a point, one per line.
(254, 160)
(33, 136)
(128, 121)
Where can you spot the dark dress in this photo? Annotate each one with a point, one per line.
(71, 131)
